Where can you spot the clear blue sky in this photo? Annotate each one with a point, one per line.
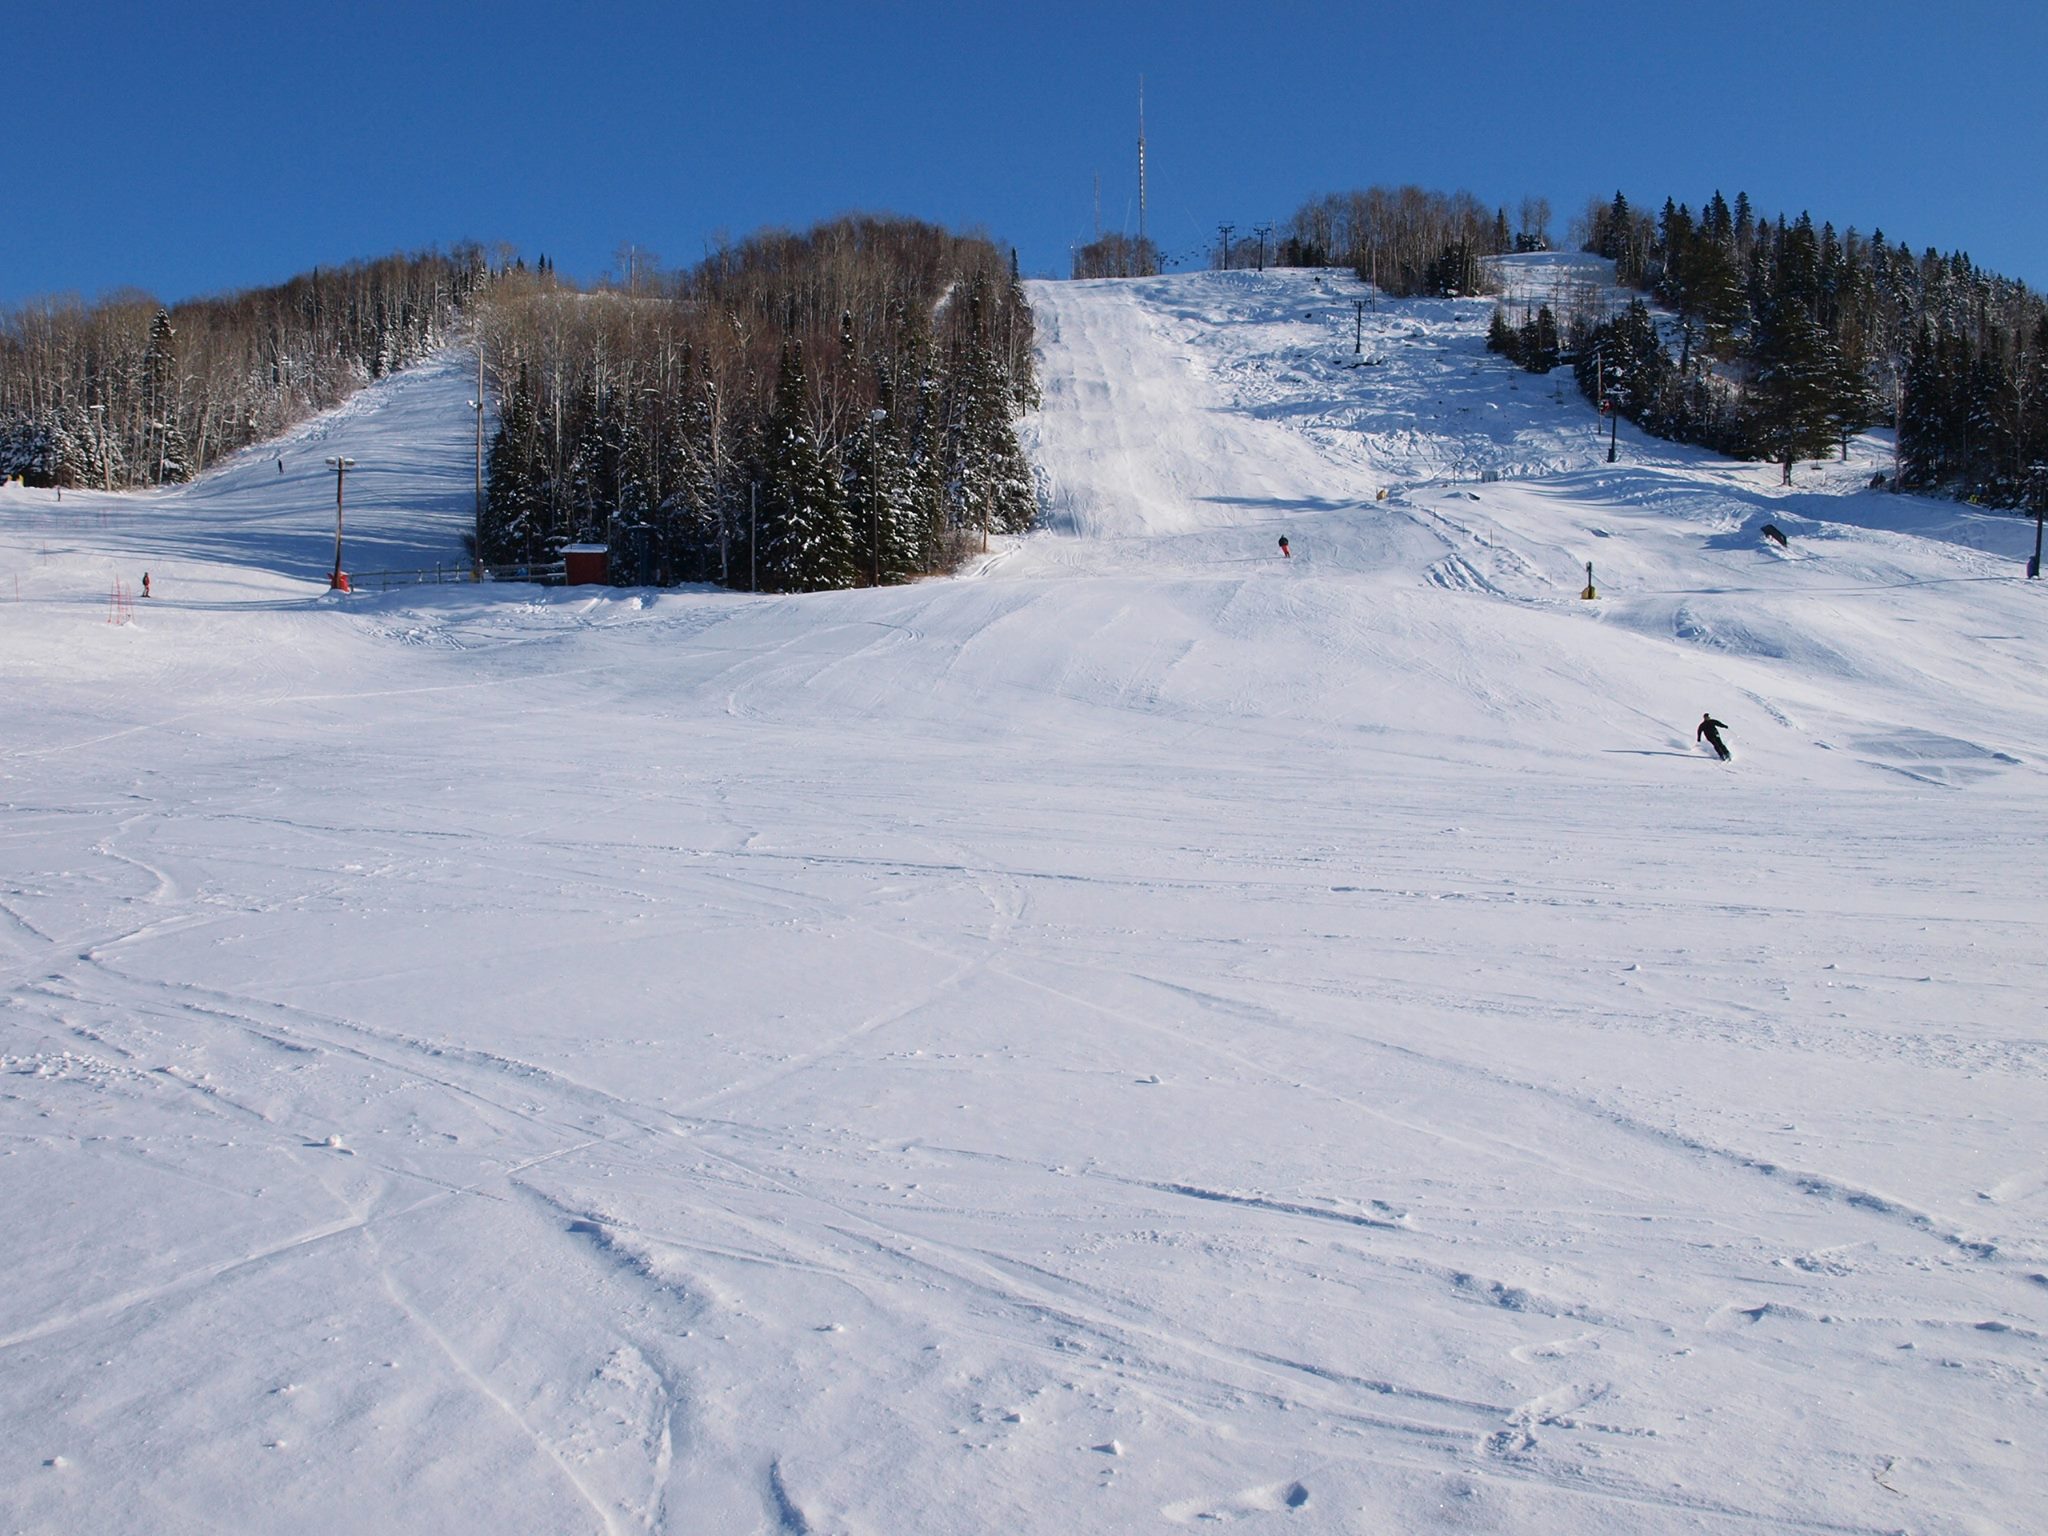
(194, 148)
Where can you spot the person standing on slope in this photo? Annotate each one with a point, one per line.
(1285, 552)
(1710, 731)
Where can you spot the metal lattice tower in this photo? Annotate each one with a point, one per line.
(1141, 176)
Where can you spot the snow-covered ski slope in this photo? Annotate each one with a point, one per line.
(1144, 1036)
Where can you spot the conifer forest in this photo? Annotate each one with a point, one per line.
(1777, 340)
(1783, 341)
(797, 413)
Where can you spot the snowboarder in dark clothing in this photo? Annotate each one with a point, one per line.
(1710, 731)
(1285, 552)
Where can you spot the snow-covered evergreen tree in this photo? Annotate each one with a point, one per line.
(590, 486)
(689, 518)
(991, 484)
(803, 536)
(1793, 392)
(513, 498)
(170, 458)
(926, 530)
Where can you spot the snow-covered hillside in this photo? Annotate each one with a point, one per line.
(1148, 1034)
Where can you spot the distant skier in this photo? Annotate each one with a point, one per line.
(1710, 731)
(145, 583)
(1285, 552)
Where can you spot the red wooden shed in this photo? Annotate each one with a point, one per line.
(586, 565)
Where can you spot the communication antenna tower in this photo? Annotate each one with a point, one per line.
(1141, 178)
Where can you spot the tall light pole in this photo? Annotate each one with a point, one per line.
(2040, 515)
(655, 543)
(341, 466)
(477, 405)
(875, 419)
(712, 401)
(1608, 406)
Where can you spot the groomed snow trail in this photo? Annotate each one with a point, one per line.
(1146, 1035)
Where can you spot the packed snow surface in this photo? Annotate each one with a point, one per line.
(1147, 1034)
